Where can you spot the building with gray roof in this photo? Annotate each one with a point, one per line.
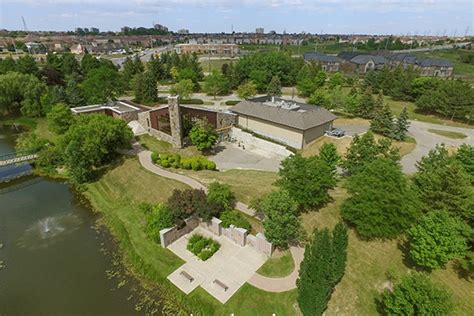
(328, 62)
(292, 123)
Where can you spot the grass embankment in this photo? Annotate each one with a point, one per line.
(448, 134)
(369, 265)
(279, 265)
(215, 64)
(163, 147)
(116, 196)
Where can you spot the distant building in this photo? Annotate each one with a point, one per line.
(260, 30)
(292, 123)
(328, 63)
(94, 30)
(183, 31)
(160, 27)
(213, 49)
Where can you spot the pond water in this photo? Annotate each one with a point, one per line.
(53, 261)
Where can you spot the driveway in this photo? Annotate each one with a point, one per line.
(230, 156)
(425, 141)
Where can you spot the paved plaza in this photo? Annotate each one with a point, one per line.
(222, 274)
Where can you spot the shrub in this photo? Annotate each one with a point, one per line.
(202, 247)
(232, 102)
(234, 218)
(196, 164)
(155, 157)
(191, 101)
(221, 195)
(186, 163)
(210, 165)
(158, 218)
(165, 163)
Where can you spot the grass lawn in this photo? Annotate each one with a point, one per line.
(280, 264)
(343, 143)
(246, 184)
(397, 107)
(448, 134)
(116, 196)
(160, 146)
(215, 64)
(370, 262)
(38, 125)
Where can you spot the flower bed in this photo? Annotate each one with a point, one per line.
(176, 161)
(202, 247)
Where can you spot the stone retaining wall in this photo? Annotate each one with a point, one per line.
(169, 235)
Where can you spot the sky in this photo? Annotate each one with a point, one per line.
(397, 17)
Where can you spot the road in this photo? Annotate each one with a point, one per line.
(425, 141)
(427, 49)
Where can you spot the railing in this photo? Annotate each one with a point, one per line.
(17, 157)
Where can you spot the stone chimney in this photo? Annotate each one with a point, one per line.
(175, 121)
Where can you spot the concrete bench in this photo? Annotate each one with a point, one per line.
(187, 276)
(222, 285)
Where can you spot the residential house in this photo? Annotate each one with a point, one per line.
(328, 63)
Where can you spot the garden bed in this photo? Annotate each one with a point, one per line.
(195, 163)
(202, 247)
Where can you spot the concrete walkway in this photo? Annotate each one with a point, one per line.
(280, 284)
(144, 156)
(264, 283)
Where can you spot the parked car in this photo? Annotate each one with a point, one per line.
(337, 132)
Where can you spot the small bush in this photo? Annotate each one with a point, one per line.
(191, 101)
(186, 163)
(231, 102)
(155, 157)
(202, 247)
(196, 165)
(165, 163)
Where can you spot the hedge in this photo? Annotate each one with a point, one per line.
(195, 163)
(232, 102)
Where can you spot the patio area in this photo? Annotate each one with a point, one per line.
(222, 274)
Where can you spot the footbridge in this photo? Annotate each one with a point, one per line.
(17, 157)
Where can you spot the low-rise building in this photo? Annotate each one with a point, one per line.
(291, 123)
(211, 48)
(328, 62)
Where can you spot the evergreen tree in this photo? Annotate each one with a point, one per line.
(274, 87)
(328, 153)
(155, 66)
(401, 126)
(321, 269)
(339, 244)
(379, 103)
(145, 87)
(366, 108)
(74, 94)
(382, 123)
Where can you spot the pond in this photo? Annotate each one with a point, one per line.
(53, 259)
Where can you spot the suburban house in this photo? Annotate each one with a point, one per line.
(328, 63)
(291, 123)
(361, 63)
(211, 48)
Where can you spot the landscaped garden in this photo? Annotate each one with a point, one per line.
(195, 163)
(202, 247)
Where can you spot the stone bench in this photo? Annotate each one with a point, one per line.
(222, 285)
(187, 276)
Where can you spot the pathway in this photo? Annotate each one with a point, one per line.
(280, 284)
(264, 283)
(425, 141)
(144, 156)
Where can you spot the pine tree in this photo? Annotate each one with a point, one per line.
(322, 268)
(379, 104)
(401, 126)
(74, 94)
(382, 123)
(340, 241)
(274, 87)
(367, 105)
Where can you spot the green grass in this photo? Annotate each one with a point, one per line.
(215, 64)
(160, 146)
(116, 196)
(453, 55)
(246, 184)
(448, 134)
(279, 265)
(397, 107)
(369, 263)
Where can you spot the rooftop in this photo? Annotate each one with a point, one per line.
(310, 56)
(119, 106)
(297, 115)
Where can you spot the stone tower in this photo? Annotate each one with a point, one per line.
(175, 121)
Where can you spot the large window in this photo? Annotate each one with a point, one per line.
(164, 123)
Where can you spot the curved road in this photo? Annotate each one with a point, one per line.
(425, 141)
